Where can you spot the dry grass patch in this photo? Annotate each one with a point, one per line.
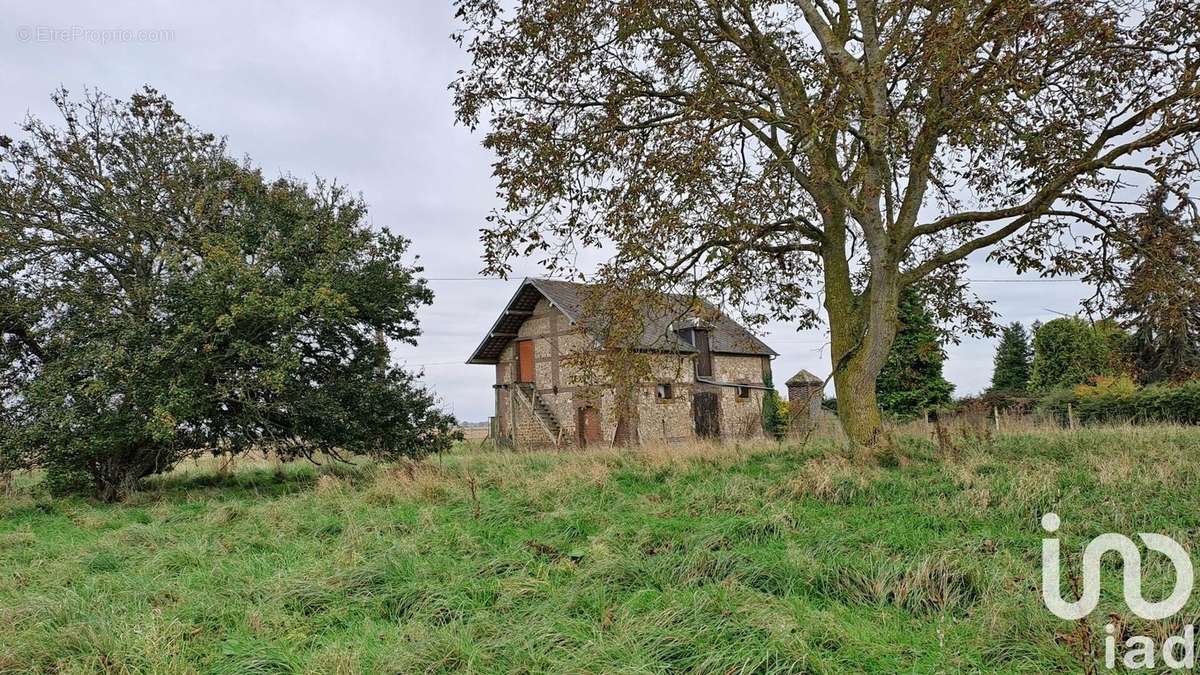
(833, 479)
(422, 482)
(1033, 490)
(1116, 469)
(682, 455)
(328, 484)
(571, 473)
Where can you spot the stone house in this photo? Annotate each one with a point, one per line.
(707, 379)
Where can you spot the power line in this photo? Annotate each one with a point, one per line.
(1056, 280)
(1026, 281)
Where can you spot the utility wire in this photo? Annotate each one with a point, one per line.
(1058, 280)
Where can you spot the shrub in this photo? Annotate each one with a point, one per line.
(1103, 386)
(1117, 399)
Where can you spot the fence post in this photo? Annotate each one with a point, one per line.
(1070, 416)
(996, 417)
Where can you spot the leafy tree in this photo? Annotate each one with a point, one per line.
(911, 381)
(773, 154)
(1070, 351)
(1158, 297)
(1012, 361)
(159, 300)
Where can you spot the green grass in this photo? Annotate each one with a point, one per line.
(690, 559)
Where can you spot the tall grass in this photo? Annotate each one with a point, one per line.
(704, 558)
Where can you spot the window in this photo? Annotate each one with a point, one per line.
(664, 392)
(743, 392)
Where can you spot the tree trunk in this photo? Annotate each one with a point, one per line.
(862, 329)
(862, 326)
(857, 406)
(119, 475)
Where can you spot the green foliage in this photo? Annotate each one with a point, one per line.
(1071, 351)
(1159, 292)
(911, 380)
(162, 300)
(1119, 400)
(774, 413)
(1012, 360)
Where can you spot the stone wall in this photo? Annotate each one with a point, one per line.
(667, 419)
(741, 417)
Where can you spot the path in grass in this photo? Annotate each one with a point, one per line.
(689, 559)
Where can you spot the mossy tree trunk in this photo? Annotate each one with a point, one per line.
(862, 327)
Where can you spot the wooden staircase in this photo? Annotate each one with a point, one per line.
(542, 412)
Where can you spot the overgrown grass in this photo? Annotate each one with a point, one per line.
(706, 559)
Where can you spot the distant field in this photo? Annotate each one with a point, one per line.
(474, 433)
(717, 560)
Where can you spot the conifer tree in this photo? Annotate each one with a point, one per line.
(911, 380)
(1012, 362)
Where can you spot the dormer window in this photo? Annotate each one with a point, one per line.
(692, 330)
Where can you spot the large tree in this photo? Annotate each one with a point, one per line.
(779, 153)
(1070, 351)
(159, 300)
(1158, 290)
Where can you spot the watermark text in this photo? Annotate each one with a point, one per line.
(92, 35)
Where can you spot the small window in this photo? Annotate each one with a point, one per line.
(743, 392)
(664, 392)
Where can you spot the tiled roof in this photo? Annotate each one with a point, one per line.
(805, 377)
(727, 336)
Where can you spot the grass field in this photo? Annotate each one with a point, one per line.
(706, 559)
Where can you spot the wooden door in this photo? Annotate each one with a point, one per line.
(706, 412)
(587, 426)
(525, 361)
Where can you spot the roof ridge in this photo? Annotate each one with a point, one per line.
(730, 336)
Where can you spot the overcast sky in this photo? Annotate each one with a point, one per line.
(359, 94)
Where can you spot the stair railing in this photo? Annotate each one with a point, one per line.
(528, 397)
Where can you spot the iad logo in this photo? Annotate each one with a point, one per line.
(1131, 560)
(1177, 651)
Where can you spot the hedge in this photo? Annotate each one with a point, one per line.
(1179, 404)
